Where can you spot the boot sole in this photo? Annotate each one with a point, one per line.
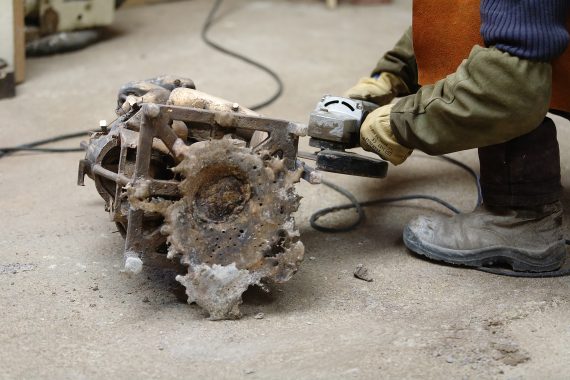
(519, 260)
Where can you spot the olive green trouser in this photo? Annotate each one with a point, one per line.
(492, 99)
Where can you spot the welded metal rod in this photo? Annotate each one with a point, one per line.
(134, 241)
(118, 178)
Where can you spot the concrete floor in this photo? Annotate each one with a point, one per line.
(67, 312)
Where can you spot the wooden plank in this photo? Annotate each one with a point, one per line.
(19, 41)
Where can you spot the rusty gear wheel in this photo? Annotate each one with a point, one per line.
(233, 226)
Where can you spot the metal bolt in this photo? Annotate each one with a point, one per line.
(151, 110)
(298, 129)
(133, 264)
(315, 177)
(103, 125)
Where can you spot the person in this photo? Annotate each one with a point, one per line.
(496, 100)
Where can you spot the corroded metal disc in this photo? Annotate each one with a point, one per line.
(233, 226)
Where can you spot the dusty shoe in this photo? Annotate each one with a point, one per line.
(528, 240)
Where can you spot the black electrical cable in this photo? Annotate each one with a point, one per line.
(33, 146)
(209, 22)
(43, 150)
(355, 204)
(473, 173)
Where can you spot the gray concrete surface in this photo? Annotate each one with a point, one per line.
(67, 312)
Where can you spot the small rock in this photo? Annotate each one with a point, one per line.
(449, 359)
(248, 371)
(95, 288)
(361, 272)
(146, 300)
(92, 304)
(312, 258)
(259, 316)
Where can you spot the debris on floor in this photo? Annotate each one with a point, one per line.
(510, 354)
(16, 267)
(361, 272)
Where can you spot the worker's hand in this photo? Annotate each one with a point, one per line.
(380, 91)
(376, 136)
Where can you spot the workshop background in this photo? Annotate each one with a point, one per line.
(67, 312)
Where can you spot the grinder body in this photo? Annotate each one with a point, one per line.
(334, 126)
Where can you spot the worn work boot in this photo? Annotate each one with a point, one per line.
(528, 239)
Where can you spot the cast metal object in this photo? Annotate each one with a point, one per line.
(212, 184)
(187, 182)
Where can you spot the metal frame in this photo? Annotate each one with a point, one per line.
(155, 122)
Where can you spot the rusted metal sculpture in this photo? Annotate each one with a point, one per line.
(204, 180)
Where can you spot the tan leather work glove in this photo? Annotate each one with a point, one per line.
(376, 136)
(380, 91)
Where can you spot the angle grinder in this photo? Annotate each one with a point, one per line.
(334, 127)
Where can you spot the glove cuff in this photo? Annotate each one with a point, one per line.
(376, 136)
(380, 90)
(396, 83)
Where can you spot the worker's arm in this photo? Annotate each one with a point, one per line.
(396, 74)
(498, 93)
(401, 62)
(493, 97)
